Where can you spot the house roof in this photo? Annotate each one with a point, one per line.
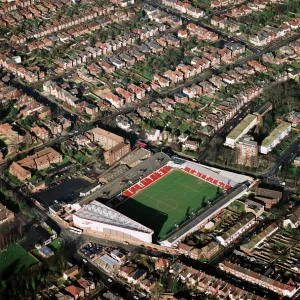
(262, 192)
(71, 270)
(73, 290)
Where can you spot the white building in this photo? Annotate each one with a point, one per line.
(99, 218)
(237, 230)
(123, 122)
(275, 137)
(153, 135)
(240, 130)
(293, 220)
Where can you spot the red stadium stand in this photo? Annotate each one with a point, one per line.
(207, 178)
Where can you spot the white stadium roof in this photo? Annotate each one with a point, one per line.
(225, 177)
(98, 212)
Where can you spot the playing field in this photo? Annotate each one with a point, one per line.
(169, 201)
(14, 259)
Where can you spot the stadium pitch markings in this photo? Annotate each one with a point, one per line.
(168, 201)
(165, 205)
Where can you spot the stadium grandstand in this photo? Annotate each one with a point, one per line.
(99, 218)
(161, 199)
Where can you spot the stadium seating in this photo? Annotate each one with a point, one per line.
(207, 178)
(153, 177)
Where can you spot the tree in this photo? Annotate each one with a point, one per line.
(47, 180)
(177, 287)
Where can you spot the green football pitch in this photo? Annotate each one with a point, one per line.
(169, 201)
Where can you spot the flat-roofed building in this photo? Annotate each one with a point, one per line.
(135, 157)
(240, 130)
(275, 137)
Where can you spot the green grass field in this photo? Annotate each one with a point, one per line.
(55, 245)
(170, 200)
(15, 259)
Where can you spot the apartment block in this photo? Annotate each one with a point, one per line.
(116, 153)
(240, 130)
(115, 146)
(275, 137)
(246, 152)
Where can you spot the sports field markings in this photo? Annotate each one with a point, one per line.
(171, 208)
(188, 188)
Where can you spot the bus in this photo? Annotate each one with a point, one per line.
(76, 230)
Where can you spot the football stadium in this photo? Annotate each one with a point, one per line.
(167, 201)
(165, 205)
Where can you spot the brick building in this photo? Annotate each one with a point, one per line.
(115, 146)
(116, 153)
(246, 152)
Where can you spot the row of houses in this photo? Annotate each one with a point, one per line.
(129, 94)
(208, 284)
(278, 287)
(81, 29)
(15, 135)
(248, 8)
(51, 88)
(111, 46)
(206, 252)
(269, 33)
(223, 3)
(138, 53)
(7, 6)
(29, 74)
(122, 3)
(157, 15)
(53, 127)
(28, 106)
(8, 93)
(41, 160)
(285, 54)
(78, 289)
(202, 33)
(138, 276)
(211, 57)
(88, 14)
(185, 8)
(14, 13)
(225, 23)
